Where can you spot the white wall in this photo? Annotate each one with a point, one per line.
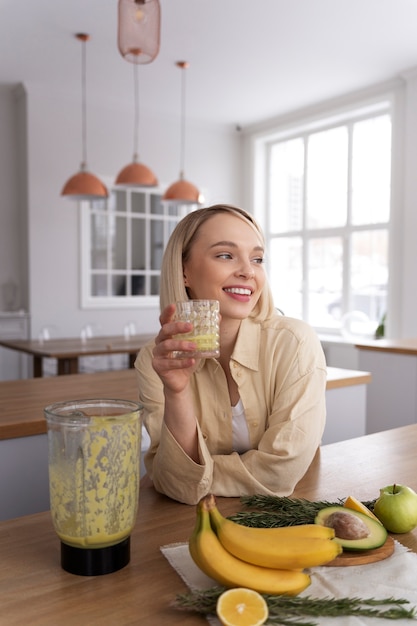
(53, 155)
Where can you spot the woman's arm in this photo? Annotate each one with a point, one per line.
(172, 471)
(285, 449)
(179, 413)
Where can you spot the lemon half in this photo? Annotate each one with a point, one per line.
(242, 607)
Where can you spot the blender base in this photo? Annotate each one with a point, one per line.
(95, 561)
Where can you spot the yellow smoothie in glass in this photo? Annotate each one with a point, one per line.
(94, 500)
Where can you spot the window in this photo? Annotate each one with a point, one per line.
(327, 218)
(123, 240)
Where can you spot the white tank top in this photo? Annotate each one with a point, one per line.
(240, 431)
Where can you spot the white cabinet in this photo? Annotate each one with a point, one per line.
(346, 413)
(392, 396)
(24, 488)
(13, 365)
(346, 404)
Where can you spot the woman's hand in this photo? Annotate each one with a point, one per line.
(174, 372)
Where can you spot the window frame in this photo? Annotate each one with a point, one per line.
(89, 301)
(323, 117)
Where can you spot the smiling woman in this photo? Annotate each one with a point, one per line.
(251, 420)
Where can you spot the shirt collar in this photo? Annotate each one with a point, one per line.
(246, 351)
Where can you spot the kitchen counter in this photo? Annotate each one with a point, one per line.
(395, 346)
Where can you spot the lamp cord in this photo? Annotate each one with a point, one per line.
(84, 103)
(183, 111)
(136, 113)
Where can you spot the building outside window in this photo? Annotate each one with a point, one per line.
(327, 218)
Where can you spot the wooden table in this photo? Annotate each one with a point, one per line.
(68, 351)
(35, 590)
(22, 401)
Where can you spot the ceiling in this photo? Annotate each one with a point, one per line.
(249, 60)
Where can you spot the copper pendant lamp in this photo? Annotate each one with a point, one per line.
(139, 25)
(182, 191)
(84, 185)
(136, 174)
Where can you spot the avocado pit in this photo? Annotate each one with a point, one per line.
(347, 526)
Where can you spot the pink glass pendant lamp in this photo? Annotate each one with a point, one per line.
(182, 191)
(139, 26)
(84, 185)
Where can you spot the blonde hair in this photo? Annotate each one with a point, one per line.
(177, 251)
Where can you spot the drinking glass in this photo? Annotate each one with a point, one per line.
(204, 316)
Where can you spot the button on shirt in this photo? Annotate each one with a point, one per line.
(280, 370)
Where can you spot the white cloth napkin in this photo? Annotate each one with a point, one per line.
(394, 577)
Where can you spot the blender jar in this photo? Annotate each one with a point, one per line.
(94, 456)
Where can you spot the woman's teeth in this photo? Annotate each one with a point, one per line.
(238, 290)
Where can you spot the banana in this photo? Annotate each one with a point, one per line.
(281, 548)
(215, 561)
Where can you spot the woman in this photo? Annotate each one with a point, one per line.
(251, 420)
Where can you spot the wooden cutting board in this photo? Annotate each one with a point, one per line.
(363, 557)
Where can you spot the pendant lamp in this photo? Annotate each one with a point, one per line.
(84, 185)
(183, 191)
(139, 25)
(136, 174)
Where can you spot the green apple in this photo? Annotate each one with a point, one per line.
(396, 508)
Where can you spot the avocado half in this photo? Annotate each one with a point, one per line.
(353, 530)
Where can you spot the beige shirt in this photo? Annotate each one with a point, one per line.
(280, 370)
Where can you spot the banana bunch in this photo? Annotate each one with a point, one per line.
(268, 560)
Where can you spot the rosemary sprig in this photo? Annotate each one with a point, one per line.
(282, 511)
(292, 610)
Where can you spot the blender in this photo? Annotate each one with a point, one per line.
(94, 457)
